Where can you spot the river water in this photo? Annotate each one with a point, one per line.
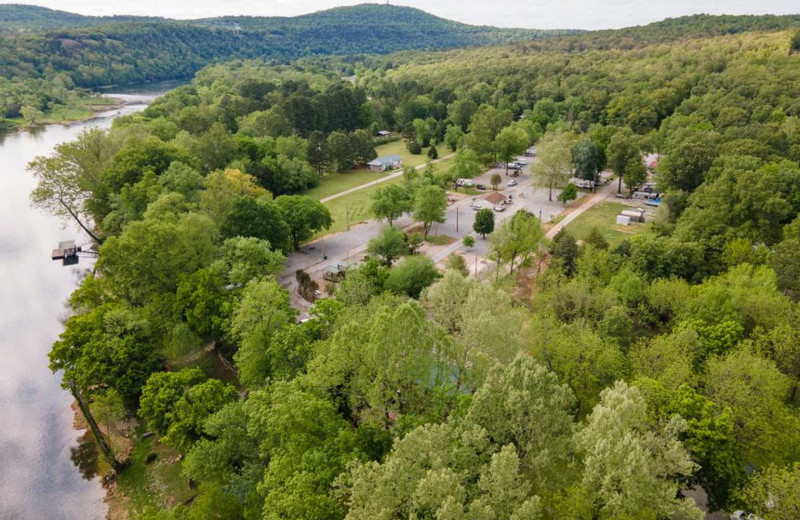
(38, 478)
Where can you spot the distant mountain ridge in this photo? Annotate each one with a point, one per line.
(92, 51)
(14, 17)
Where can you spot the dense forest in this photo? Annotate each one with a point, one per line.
(47, 57)
(628, 376)
(121, 52)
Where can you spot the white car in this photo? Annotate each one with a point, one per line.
(499, 208)
(512, 182)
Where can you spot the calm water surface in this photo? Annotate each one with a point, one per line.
(38, 479)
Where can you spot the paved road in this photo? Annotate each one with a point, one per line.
(350, 246)
(394, 174)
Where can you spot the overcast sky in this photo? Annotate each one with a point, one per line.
(542, 14)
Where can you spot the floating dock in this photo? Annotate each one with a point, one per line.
(67, 252)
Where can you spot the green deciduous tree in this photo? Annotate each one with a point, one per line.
(340, 153)
(151, 256)
(766, 431)
(317, 155)
(257, 218)
(553, 166)
(453, 136)
(390, 244)
(112, 347)
(264, 309)
(510, 142)
(622, 147)
(391, 202)
(484, 222)
(773, 494)
(517, 395)
(630, 470)
(196, 405)
(635, 174)
(162, 392)
(568, 194)
(304, 216)
(430, 203)
(686, 163)
(68, 181)
(519, 236)
(495, 180)
(412, 276)
(589, 159)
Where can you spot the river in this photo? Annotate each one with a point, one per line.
(38, 478)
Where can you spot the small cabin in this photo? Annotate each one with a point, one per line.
(384, 133)
(387, 162)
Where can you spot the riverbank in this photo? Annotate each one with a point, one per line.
(87, 110)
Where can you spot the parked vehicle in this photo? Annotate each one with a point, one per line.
(480, 186)
(499, 208)
(512, 183)
(582, 183)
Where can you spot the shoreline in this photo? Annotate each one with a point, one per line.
(97, 112)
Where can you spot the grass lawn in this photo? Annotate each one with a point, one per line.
(159, 483)
(357, 204)
(604, 216)
(338, 182)
(399, 148)
(62, 114)
(440, 240)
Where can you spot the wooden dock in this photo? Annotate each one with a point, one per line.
(67, 252)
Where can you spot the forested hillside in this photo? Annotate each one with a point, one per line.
(122, 52)
(20, 17)
(584, 380)
(45, 70)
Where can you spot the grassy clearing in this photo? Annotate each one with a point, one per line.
(159, 483)
(339, 182)
(399, 148)
(604, 216)
(356, 204)
(63, 114)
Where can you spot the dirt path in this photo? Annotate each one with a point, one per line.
(393, 175)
